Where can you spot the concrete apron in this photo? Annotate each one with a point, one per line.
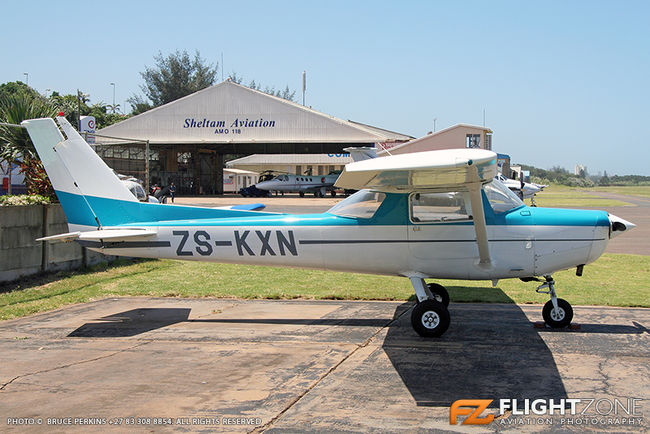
(234, 365)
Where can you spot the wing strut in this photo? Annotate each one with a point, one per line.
(478, 212)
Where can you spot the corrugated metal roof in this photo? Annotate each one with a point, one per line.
(231, 113)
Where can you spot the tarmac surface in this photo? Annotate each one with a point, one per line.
(203, 365)
(277, 366)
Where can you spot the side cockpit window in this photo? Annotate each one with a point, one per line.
(362, 204)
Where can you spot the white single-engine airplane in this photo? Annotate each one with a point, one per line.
(437, 214)
(526, 189)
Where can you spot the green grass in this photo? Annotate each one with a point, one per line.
(560, 196)
(614, 280)
(629, 190)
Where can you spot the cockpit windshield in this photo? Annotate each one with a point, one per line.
(137, 190)
(501, 198)
(362, 204)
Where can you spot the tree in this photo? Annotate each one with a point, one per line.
(287, 93)
(173, 77)
(139, 105)
(68, 105)
(16, 143)
(114, 108)
(18, 88)
(604, 181)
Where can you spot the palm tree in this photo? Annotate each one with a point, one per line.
(16, 144)
(114, 108)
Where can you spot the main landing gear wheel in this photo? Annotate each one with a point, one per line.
(439, 293)
(560, 317)
(301, 194)
(430, 318)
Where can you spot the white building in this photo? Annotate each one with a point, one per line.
(236, 179)
(456, 136)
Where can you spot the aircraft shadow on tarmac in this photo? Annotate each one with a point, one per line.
(132, 322)
(490, 351)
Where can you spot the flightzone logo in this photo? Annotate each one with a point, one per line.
(563, 412)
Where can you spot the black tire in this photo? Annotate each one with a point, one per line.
(333, 193)
(440, 293)
(430, 318)
(301, 194)
(559, 319)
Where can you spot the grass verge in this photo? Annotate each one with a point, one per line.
(560, 196)
(614, 280)
(628, 190)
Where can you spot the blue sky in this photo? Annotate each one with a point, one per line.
(561, 82)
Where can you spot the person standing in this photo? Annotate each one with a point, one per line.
(172, 191)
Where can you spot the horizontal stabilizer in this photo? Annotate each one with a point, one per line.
(70, 236)
(245, 207)
(452, 169)
(117, 234)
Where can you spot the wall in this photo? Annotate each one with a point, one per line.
(21, 255)
(453, 137)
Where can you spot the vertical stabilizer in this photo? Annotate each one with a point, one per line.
(80, 178)
(361, 153)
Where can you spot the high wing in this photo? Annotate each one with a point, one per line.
(444, 170)
(433, 170)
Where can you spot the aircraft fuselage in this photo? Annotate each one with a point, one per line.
(523, 242)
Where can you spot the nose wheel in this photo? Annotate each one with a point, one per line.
(557, 313)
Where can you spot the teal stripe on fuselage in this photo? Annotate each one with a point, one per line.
(393, 211)
(112, 212)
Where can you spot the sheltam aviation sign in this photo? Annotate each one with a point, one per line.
(236, 126)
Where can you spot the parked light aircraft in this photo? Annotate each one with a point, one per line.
(317, 184)
(437, 214)
(525, 190)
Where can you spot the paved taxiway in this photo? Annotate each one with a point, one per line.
(306, 365)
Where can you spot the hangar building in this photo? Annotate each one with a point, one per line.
(188, 139)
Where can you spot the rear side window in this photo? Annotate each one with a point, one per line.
(439, 207)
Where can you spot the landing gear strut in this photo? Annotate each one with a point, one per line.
(557, 313)
(430, 317)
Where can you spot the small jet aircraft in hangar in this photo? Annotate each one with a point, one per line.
(437, 214)
(287, 182)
